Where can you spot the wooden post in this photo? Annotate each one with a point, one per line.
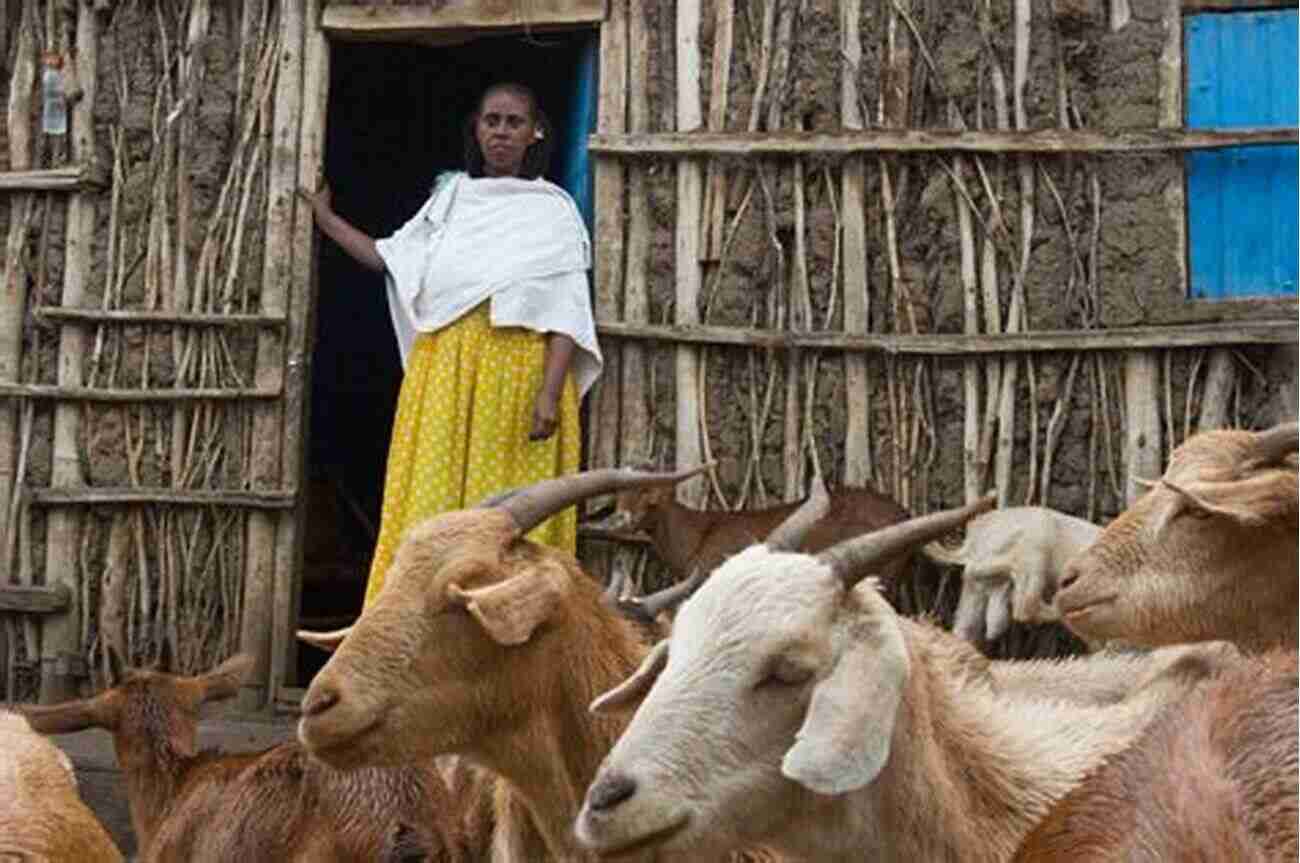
(277, 275)
(61, 634)
(1142, 434)
(857, 292)
(690, 183)
(634, 426)
(611, 116)
(301, 312)
(13, 313)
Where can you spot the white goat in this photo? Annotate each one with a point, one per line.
(1012, 560)
(896, 755)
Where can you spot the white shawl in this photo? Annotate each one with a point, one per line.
(521, 243)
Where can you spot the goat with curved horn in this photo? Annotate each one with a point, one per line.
(1273, 445)
(851, 560)
(789, 534)
(531, 505)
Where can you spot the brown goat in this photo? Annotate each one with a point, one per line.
(1208, 553)
(42, 818)
(278, 804)
(1213, 779)
(687, 539)
(485, 644)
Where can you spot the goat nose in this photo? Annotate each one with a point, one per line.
(1049, 591)
(610, 791)
(319, 700)
(1069, 577)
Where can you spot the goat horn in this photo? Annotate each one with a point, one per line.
(531, 505)
(617, 580)
(673, 596)
(850, 560)
(789, 534)
(1273, 445)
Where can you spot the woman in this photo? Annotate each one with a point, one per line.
(488, 291)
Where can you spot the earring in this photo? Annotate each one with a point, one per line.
(538, 134)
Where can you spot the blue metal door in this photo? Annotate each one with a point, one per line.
(1241, 202)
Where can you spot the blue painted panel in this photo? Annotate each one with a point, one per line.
(1242, 202)
(580, 123)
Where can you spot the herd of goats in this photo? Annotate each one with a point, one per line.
(495, 702)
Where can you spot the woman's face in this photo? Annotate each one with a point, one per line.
(505, 129)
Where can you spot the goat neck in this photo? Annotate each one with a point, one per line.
(972, 772)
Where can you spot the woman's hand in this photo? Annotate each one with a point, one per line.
(546, 412)
(321, 201)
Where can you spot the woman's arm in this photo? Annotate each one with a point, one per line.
(546, 409)
(359, 246)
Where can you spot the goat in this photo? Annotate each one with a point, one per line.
(696, 540)
(1012, 562)
(1213, 778)
(896, 755)
(277, 804)
(1208, 552)
(42, 817)
(484, 644)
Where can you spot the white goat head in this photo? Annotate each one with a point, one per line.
(780, 685)
(1208, 553)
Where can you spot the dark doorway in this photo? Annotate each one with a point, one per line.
(395, 119)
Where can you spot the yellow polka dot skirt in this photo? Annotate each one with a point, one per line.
(461, 431)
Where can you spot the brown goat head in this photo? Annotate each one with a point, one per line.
(145, 708)
(1208, 553)
(458, 651)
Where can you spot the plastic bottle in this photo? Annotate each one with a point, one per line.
(54, 111)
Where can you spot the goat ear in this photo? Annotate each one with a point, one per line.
(1267, 497)
(635, 687)
(510, 610)
(224, 680)
(846, 735)
(72, 716)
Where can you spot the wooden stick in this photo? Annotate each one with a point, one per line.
(715, 185)
(71, 178)
(854, 142)
(687, 240)
(1261, 332)
(603, 434)
(72, 393)
(972, 471)
(858, 461)
(60, 636)
(635, 424)
(135, 317)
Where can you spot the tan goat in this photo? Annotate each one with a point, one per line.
(793, 707)
(1213, 779)
(485, 644)
(1208, 552)
(277, 805)
(42, 817)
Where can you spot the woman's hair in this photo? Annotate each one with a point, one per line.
(538, 155)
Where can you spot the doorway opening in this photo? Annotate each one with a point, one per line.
(395, 119)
